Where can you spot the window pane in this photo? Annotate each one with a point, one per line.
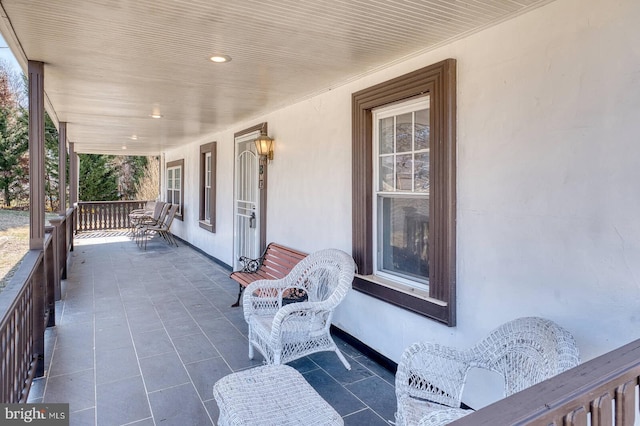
(404, 236)
(404, 172)
(386, 174)
(386, 135)
(207, 206)
(422, 129)
(421, 172)
(404, 132)
(176, 183)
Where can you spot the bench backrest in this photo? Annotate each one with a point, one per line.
(279, 260)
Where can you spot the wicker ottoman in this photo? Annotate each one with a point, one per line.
(271, 395)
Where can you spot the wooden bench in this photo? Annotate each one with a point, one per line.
(275, 263)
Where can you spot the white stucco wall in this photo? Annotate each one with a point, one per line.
(548, 181)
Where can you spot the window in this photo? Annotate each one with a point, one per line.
(401, 203)
(175, 193)
(207, 187)
(404, 197)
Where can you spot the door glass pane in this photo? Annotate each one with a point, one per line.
(404, 236)
(404, 172)
(386, 135)
(422, 128)
(176, 179)
(404, 132)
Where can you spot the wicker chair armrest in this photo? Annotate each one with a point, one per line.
(261, 287)
(433, 372)
(443, 417)
(263, 297)
(295, 311)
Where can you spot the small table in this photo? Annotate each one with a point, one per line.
(271, 395)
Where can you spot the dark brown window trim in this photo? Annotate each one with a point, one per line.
(204, 150)
(180, 163)
(438, 80)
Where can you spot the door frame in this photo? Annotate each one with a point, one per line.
(262, 189)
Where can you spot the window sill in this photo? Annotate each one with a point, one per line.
(206, 225)
(403, 296)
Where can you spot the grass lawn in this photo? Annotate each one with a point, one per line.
(14, 241)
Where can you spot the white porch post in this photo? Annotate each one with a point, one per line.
(73, 175)
(62, 167)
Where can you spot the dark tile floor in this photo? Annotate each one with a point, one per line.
(142, 336)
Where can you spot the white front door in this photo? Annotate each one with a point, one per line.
(247, 200)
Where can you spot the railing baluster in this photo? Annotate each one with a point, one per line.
(576, 418)
(625, 403)
(601, 411)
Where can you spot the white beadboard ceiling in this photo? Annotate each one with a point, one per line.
(110, 63)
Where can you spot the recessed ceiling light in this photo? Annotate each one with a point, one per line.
(124, 147)
(134, 137)
(220, 58)
(154, 115)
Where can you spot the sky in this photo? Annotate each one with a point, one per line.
(6, 55)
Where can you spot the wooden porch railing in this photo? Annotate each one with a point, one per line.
(602, 391)
(105, 215)
(27, 307)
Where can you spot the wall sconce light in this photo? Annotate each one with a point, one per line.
(264, 145)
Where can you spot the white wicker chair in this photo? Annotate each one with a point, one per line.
(283, 333)
(431, 377)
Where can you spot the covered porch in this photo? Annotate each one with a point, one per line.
(529, 177)
(142, 336)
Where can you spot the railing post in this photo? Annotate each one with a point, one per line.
(37, 322)
(74, 171)
(64, 246)
(71, 229)
(60, 250)
(52, 272)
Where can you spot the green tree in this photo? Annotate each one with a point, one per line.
(14, 140)
(130, 170)
(12, 149)
(51, 147)
(98, 178)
